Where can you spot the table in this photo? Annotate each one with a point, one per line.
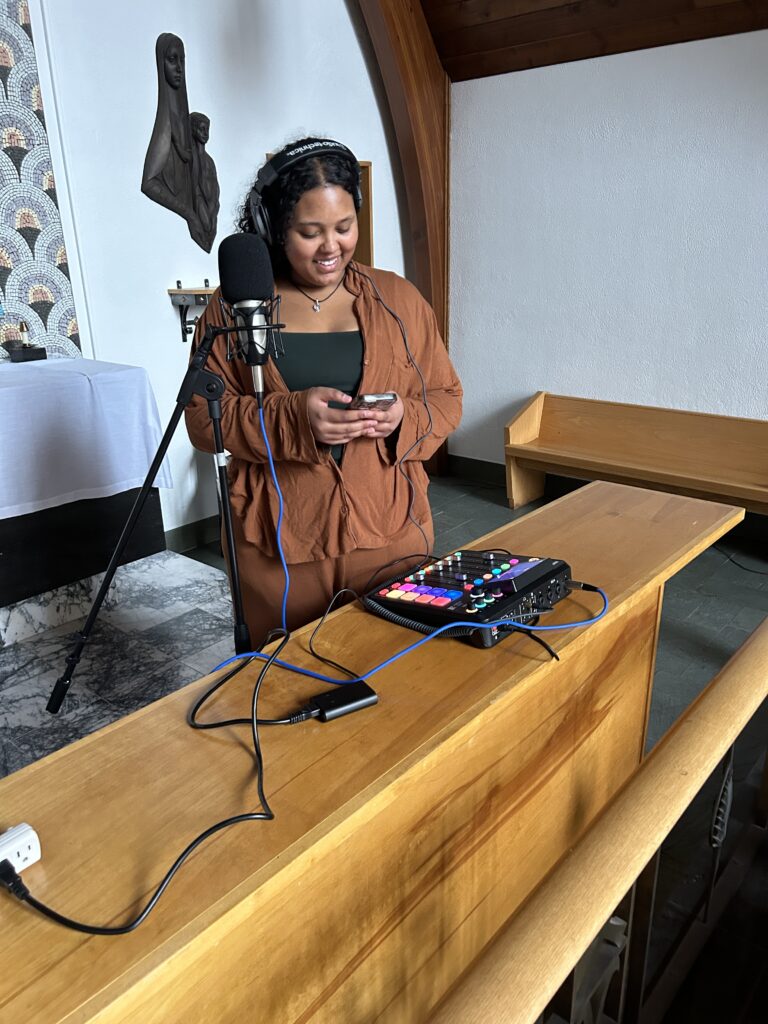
(405, 835)
(73, 429)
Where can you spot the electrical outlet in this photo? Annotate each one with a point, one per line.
(21, 846)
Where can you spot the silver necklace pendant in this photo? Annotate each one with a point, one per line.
(316, 306)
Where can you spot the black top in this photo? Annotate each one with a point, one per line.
(333, 360)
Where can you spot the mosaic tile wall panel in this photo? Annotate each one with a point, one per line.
(34, 274)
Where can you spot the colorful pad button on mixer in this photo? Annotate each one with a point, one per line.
(439, 597)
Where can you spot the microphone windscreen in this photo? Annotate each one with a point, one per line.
(245, 269)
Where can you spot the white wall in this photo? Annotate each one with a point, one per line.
(264, 72)
(609, 234)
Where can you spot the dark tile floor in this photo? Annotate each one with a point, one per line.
(172, 625)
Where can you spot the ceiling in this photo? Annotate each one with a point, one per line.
(476, 38)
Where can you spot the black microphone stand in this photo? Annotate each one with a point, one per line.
(197, 381)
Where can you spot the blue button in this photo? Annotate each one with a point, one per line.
(453, 594)
(479, 582)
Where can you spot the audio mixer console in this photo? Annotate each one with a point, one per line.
(472, 586)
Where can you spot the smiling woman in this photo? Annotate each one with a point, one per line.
(354, 486)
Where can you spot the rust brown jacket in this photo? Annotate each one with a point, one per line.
(331, 510)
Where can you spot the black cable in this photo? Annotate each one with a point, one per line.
(192, 716)
(423, 559)
(746, 568)
(13, 883)
(348, 590)
(10, 879)
(329, 661)
(255, 721)
(294, 719)
(539, 640)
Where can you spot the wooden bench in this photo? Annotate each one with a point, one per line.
(721, 458)
(520, 971)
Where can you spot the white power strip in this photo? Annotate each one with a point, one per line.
(21, 846)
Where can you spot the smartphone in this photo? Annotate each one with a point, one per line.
(383, 401)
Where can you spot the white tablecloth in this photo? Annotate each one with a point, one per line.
(72, 429)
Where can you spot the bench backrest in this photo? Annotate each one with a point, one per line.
(668, 439)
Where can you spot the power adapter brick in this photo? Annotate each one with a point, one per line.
(342, 700)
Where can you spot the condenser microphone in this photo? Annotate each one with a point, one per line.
(247, 284)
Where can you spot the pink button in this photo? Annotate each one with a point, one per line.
(408, 586)
(424, 599)
(441, 602)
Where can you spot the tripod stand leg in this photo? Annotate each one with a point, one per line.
(197, 381)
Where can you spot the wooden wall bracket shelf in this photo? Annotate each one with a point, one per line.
(189, 298)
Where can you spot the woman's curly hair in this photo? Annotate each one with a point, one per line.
(280, 198)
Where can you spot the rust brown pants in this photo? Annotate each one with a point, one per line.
(313, 584)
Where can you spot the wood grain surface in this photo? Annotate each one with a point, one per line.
(405, 835)
(521, 971)
(475, 38)
(418, 92)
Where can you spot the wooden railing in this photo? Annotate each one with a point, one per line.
(519, 973)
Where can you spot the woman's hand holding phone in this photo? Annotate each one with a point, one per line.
(388, 410)
(333, 425)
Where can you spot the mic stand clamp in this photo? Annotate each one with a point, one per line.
(197, 381)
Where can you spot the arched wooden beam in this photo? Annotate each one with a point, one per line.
(418, 91)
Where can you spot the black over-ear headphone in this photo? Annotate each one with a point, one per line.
(272, 170)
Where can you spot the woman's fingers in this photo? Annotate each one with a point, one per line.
(331, 425)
